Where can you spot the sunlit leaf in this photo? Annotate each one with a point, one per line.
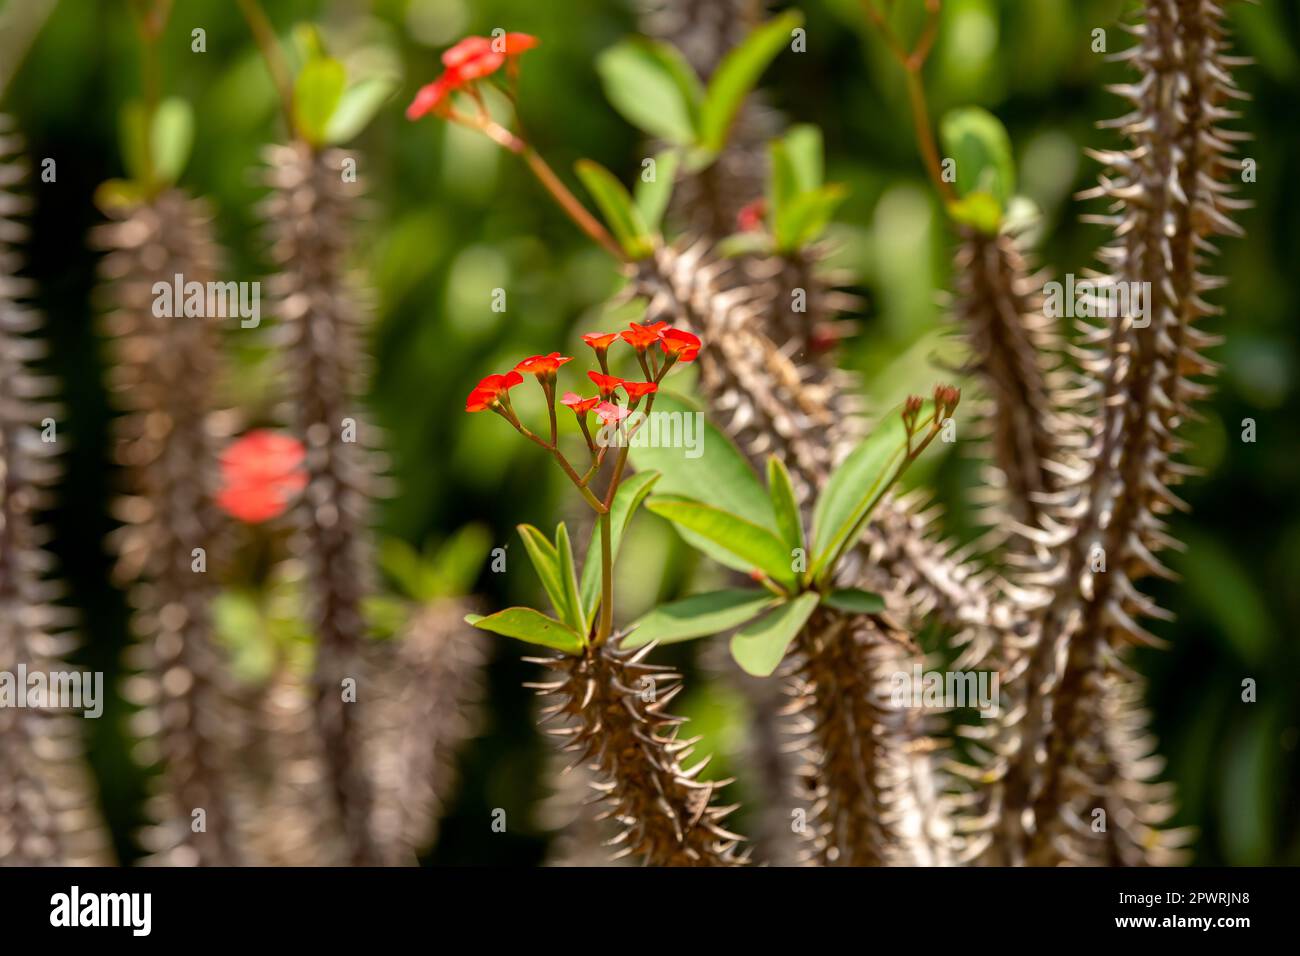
(700, 615)
(526, 624)
(760, 647)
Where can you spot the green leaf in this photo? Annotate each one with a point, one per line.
(546, 561)
(759, 647)
(854, 601)
(788, 522)
(856, 485)
(713, 471)
(525, 624)
(616, 205)
(385, 615)
(978, 141)
(170, 139)
(316, 96)
(133, 129)
(802, 220)
(401, 563)
(118, 194)
(737, 74)
(700, 615)
(356, 107)
(782, 180)
(978, 210)
(653, 87)
(631, 492)
(458, 562)
(652, 197)
(753, 546)
(803, 151)
(574, 615)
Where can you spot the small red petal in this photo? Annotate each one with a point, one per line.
(606, 383)
(750, 217)
(600, 340)
(517, 43)
(639, 389)
(579, 404)
(542, 364)
(682, 344)
(610, 413)
(640, 336)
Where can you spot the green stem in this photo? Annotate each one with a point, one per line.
(264, 37)
(606, 623)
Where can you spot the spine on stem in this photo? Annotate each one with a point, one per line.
(48, 812)
(310, 218)
(609, 709)
(1079, 746)
(163, 379)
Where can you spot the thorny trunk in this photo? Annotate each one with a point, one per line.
(1080, 746)
(47, 804)
(768, 405)
(428, 706)
(310, 217)
(163, 378)
(610, 707)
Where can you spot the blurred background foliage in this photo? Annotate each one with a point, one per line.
(451, 218)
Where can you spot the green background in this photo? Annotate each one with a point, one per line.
(452, 218)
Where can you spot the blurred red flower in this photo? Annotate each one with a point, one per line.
(471, 59)
(433, 96)
(750, 217)
(260, 474)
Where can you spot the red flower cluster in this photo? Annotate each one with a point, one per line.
(260, 475)
(469, 60)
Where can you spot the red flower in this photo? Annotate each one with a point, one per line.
(433, 96)
(600, 340)
(640, 336)
(611, 414)
(639, 389)
(515, 43)
(607, 384)
(491, 390)
(579, 404)
(750, 217)
(681, 344)
(540, 365)
(260, 474)
(472, 58)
